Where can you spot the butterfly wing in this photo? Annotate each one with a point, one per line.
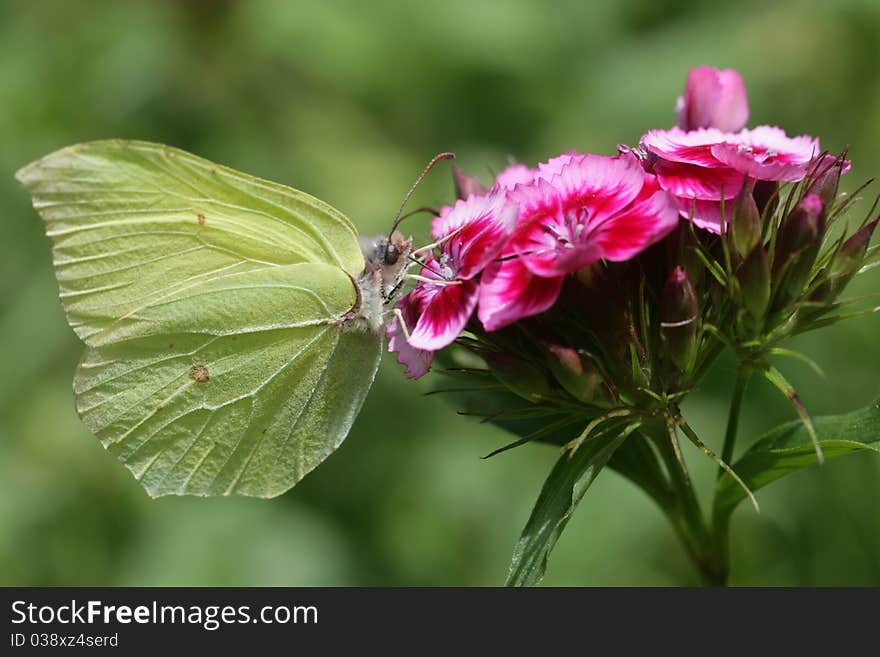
(210, 303)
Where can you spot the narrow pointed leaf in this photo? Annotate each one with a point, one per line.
(775, 377)
(789, 448)
(635, 459)
(563, 489)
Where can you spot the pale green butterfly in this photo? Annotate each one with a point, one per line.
(233, 326)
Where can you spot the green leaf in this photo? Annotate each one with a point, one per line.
(563, 489)
(212, 305)
(635, 459)
(789, 448)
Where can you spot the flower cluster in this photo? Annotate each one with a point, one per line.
(578, 303)
(705, 160)
(506, 251)
(609, 278)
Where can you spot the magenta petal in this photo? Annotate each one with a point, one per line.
(636, 228)
(553, 245)
(713, 99)
(515, 174)
(416, 361)
(733, 106)
(555, 165)
(539, 198)
(694, 147)
(602, 185)
(551, 263)
(770, 170)
(702, 96)
(438, 223)
(509, 291)
(706, 214)
(802, 148)
(820, 165)
(481, 238)
(766, 153)
(446, 310)
(692, 181)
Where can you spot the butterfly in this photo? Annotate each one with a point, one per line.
(233, 326)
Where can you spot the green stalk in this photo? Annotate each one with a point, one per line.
(685, 514)
(721, 529)
(743, 373)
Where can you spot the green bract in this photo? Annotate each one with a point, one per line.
(221, 313)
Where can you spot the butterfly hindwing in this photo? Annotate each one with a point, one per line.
(210, 303)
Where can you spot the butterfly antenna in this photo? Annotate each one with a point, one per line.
(437, 158)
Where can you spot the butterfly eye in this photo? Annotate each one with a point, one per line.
(392, 254)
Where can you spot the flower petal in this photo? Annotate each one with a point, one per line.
(601, 184)
(509, 291)
(766, 153)
(713, 99)
(482, 225)
(694, 147)
(544, 256)
(733, 107)
(445, 310)
(642, 224)
(692, 181)
(538, 198)
(416, 361)
(438, 223)
(706, 214)
(702, 95)
(555, 165)
(515, 174)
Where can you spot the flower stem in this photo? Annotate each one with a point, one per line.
(685, 513)
(743, 372)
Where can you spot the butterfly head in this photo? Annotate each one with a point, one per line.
(387, 259)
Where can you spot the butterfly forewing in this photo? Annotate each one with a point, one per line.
(211, 303)
(132, 222)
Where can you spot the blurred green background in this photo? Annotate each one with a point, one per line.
(348, 100)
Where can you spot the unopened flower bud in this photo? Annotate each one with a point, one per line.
(849, 258)
(833, 278)
(754, 282)
(465, 184)
(713, 99)
(682, 249)
(801, 230)
(827, 179)
(678, 318)
(797, 246)
(823, 291)
(576, 374)
(745, 222)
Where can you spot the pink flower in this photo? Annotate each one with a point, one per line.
(515, 174)
(472, 234)
(766, 153)
(578, 209)
(713, 99)
(416, 361)
(703, 166)
(442, 304)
